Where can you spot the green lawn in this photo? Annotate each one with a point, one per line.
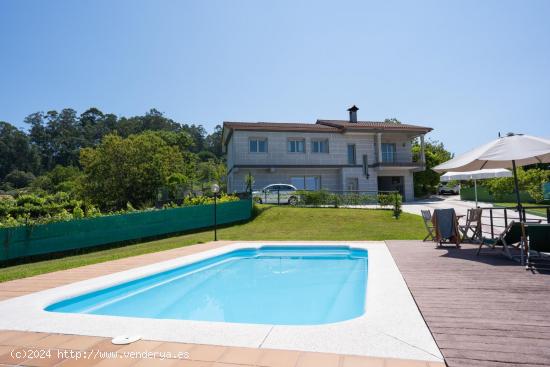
(273, 223)
(540, 211)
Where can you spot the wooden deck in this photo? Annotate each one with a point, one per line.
(482, 311)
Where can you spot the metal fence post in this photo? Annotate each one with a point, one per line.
(278, 196)
(491, 217)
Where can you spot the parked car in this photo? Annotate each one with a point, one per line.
(276, 194)
(448, 189)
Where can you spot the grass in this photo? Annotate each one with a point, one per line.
(540, 211)
(272, 223)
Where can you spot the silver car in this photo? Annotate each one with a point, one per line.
(276, 194)
(445, 188)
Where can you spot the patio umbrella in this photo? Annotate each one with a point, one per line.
(505, 152)
(481, 174)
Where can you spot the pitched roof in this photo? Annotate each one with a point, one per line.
(326, 126)
(280, 126)
(373, 125)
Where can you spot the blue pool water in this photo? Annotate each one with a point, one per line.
(271, 285)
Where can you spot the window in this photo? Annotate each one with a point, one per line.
(351, 154)
(286, 188)
(258, 145)
(319, 146)
(306, 182)
(296, 146)
(388, 152)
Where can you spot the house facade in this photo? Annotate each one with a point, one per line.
(335, 155)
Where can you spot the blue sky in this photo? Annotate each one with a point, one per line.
(469, 69)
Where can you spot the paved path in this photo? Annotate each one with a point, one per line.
(482, 311)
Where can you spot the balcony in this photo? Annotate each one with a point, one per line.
(419, 166)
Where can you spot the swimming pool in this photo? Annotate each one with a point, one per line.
(278, 285)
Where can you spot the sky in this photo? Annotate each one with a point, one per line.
(468, 69)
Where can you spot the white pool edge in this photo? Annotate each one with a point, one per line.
(392, 326)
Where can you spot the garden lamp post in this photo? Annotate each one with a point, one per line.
(215, 190)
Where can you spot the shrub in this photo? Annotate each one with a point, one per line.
(385, 199)
(395, 200)
(315, 198)
(30, 209)
(530, 180)
(18, 179)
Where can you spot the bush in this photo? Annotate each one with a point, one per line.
(316, 198)
(397, 203)
(530, 180)
(385, 199)
(19, 179)
(30, 209)
(395, 200)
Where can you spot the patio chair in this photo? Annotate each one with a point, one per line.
(509, 237)
(473, 224)
(446, 227)
(427, 217)
(538, 242)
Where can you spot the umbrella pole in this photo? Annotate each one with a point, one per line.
(516, 184)
(524, 248)
(475, 189)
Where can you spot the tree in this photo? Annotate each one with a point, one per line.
(60, 179)
(198, 134)
(213, 171)
(16, 151)
(153, 120)
(213, 142)
(530, 180)
(392, 120)
(128, 170)
(19, 179)
(425, 182)
(58, 137)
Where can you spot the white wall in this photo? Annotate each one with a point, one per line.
(277, 148)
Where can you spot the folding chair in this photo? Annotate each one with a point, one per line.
(473, 224)
(446, 227)
(511, 235)
(427, 217)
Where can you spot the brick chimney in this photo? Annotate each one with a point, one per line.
(353, 114)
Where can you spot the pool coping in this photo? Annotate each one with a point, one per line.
(392, 326)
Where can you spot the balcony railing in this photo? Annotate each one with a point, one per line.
(398, 164)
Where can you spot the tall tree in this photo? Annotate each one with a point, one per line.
(213, 142)
(16, 151)
(425, 182)
(57, 135)
(128, 170)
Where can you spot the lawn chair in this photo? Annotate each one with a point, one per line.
(538, 242)
(509, 237)
(427, 217)
(473, 224)
(446, 227)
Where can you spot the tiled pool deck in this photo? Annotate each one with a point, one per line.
(482, 311)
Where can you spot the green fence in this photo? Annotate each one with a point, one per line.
(467, 193)
(75, 234)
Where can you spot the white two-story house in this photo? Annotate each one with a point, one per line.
(335, 155)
